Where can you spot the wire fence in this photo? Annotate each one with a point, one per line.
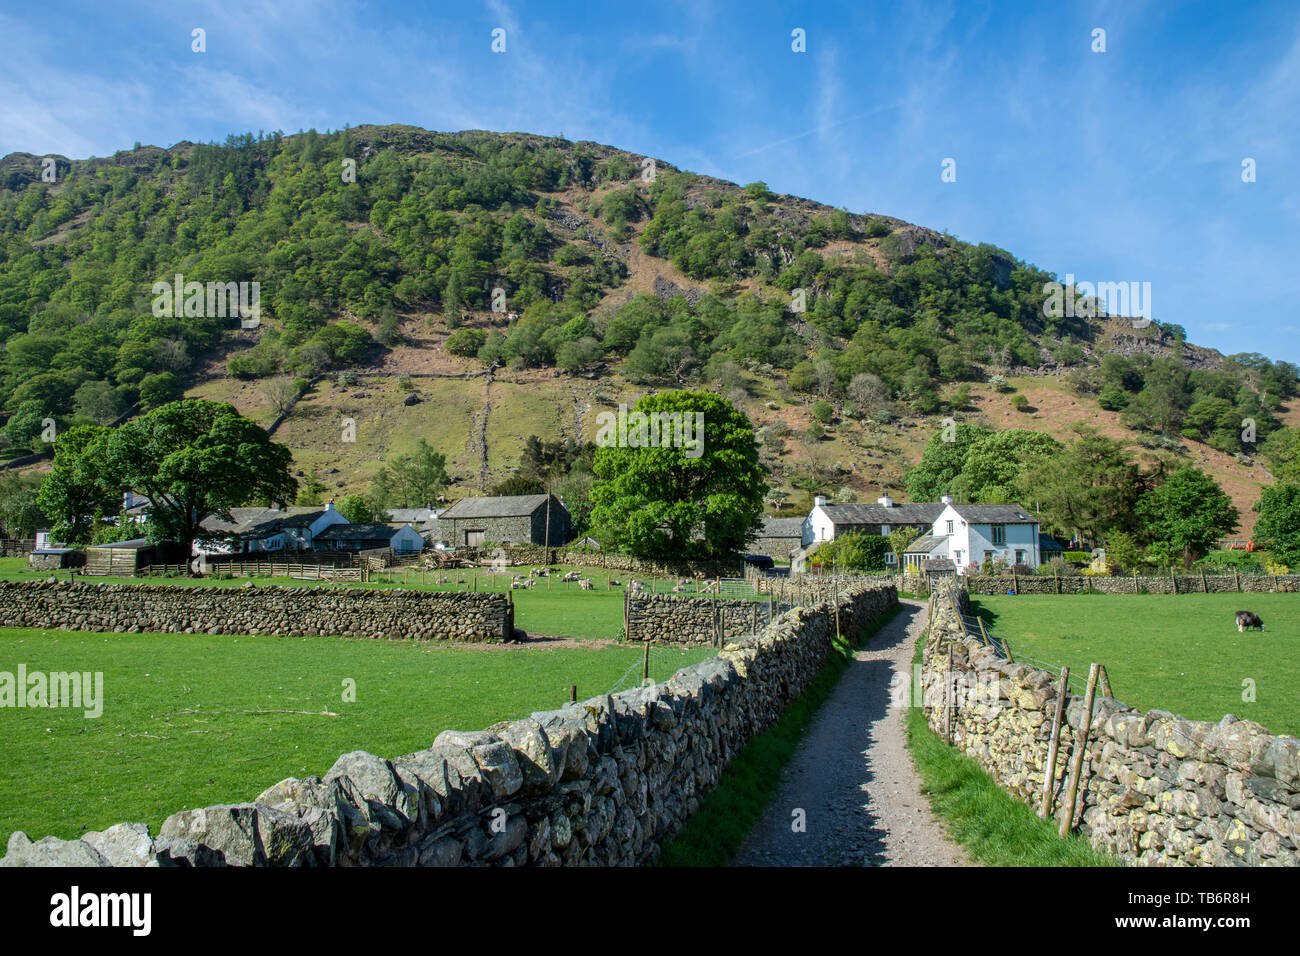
(976, 627)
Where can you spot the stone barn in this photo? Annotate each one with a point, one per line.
(778, 538)
(511, 519)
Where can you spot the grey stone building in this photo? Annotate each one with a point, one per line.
(778, 538)
(514, 519)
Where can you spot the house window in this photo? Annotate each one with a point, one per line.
(957, 554)
(1020, 557)
(891, 559)
(950, 527)
(999, 534)
(474, 539)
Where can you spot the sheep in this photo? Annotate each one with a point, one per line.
(1248, 619)
(585, 584)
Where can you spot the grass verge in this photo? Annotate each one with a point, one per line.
(715, 832)
(994, 827)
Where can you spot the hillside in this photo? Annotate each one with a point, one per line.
(378, 291)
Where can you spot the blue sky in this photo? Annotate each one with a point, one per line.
(1115, 166)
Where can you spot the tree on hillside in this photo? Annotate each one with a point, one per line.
(942, 462)
(1187, 513)
(413, 480)
(1282, 449)
(704, 500)
(1278, 527)
(360, 509)
(21, 514)
(994, 464)
(79, 485)
(194, 460)
(1091, 487)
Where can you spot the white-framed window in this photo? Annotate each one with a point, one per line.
(1020, 557)
(957, 554)
(950, 526)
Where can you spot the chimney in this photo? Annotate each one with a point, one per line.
(885, 500)
(819, 501)
(946, 499)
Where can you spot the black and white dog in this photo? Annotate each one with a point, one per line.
(1247, 619)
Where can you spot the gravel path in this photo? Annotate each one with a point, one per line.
(853, 777)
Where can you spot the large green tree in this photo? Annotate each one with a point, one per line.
(942, 461)
(412, 480)
(1090, 487)
(994, 465)
(79, 484)
(1278, 527)
(675, 501)
(194, 460)
(21, 513)
(1186, 513)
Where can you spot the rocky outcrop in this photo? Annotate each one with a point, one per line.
(603, 782)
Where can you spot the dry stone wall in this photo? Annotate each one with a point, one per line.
(1157, 789)
(603, 782)
(1150, 584)
(386, 613)
(674, 619)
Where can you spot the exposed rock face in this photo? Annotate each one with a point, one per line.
(1158, 790)
(348, 612)
(602, 782)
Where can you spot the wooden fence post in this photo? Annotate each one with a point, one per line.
(1049, 772)
(1104, 677)
(573, 693)
(645, 665)
(1205, 585)
(1080, 753)
(1236, 580)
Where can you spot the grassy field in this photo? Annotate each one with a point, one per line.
(194, 720)
(1180, 653)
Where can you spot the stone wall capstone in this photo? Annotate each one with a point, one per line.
(603, 782)
(384, 613)
(1158, 789)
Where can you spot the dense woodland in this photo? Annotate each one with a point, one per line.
(433, 222)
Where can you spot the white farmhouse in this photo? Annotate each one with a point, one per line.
(969, 535)
(827, 521)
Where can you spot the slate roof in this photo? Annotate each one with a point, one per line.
(939, 565)
(302, 518)
(925, 544)
(994, 514)
(246, 522)
(412, 515)
(135, 544)
(505, 506)
(782, 528)
(923, 512)
(1047, 543)
(357, 532)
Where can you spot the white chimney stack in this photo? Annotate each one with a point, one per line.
(946, 499)
(819, 501)
(885, 500)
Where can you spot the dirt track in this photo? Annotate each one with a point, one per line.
(853, 776)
